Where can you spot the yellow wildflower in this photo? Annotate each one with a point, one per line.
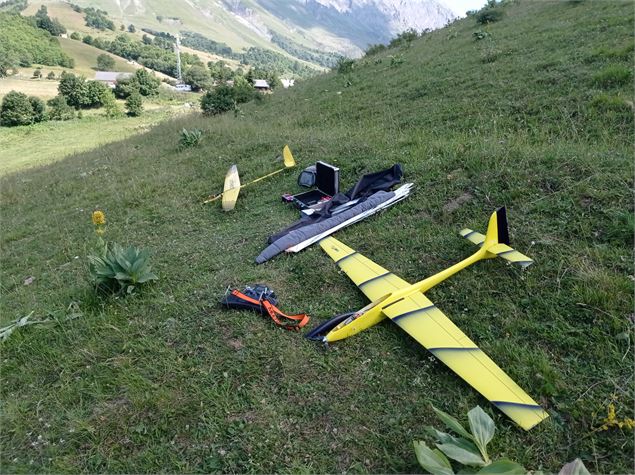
(612, 421)
(99, 218)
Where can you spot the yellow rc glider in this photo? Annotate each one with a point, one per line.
(408, 307)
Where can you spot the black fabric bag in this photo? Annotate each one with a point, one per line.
(367, 185)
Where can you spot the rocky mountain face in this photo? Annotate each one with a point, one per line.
(362, 22)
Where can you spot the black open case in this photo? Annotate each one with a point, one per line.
(327, 182)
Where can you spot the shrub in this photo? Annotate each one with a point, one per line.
(131, 28)
(37, 74)
(105, 62)
(134, 104)
(480, 35)
(190, 138)
(404, 38)
(488, 15)
(218, 101)
(344, 65)
(39, 109)
(50, 75)
(59, 109)
(75, 36)
(16, 109)
(613, 75)
(374, 49)
(109, 103)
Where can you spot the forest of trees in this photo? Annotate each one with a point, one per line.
(202, 43)
(22, 43)
(160, 58)
(255, 56)
(328, 60)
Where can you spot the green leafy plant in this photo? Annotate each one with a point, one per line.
(469, 449)
(119, 269)
(344, 65)
(480, 35)
(190, 138)
(114, 268)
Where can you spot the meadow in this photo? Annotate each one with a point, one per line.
(537, 115)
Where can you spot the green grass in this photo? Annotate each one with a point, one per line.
(40, 144)
(168, 381)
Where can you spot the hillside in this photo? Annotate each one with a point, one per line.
(536, 115)
(21, 42)
(316, 25)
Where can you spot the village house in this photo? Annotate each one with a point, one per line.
(110, 78)
(261, 85)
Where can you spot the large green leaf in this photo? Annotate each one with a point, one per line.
(503, 466)
(433, 461)
(462, 454)
(445, 438)
(574, 468)
(452, 423)
(483, 428)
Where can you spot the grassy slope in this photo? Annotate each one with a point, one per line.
(26, 147)
(168, 381)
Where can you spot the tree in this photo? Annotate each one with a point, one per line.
(39, 109)
(105, 62)
(7, 66)
(75, 36)
(125, 87)
(88, 39)
(218, 100)
(50, 75)
(134, 104)
(95, 92)
(198, 77)
(37, 74)
(148, 83)
(131, 28)
(74, 89)
(53, 26)
(59, 109)
(243, 91)
(108, 101)
(16, 109)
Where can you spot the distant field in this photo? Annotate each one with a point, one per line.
(30, 146)
(33, 87)
(86, 57)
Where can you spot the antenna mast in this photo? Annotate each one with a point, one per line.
(177, 48)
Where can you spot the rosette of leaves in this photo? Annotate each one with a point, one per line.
(467, 448)
(190, 138)
(119, 269)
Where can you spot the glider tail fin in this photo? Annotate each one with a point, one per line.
(496, 240)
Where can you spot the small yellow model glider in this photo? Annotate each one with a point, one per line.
(232, 185)
(408, 307)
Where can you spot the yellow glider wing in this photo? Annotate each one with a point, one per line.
(372, 279)
(418, 316)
